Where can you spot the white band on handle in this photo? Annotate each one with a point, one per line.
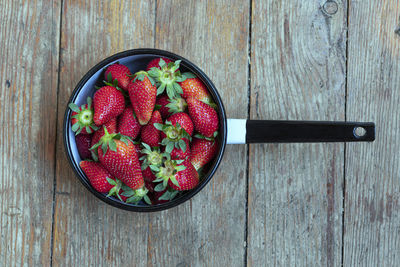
(236, 131)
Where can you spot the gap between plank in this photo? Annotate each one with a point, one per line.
(155, 23)
(56, 139)
(345, 118)
(247, 147)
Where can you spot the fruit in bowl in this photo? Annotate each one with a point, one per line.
(145, 135)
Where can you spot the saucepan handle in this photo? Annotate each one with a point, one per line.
(274, 131)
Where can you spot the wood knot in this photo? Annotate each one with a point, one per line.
(330, 8)
(397, 30)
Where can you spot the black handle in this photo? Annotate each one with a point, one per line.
(269, 131)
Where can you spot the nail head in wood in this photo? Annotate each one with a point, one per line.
(330, 8)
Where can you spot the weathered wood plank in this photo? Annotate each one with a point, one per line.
(372, 217)
(29, 35)
(295, 190)
(88, 232)
(209, 230)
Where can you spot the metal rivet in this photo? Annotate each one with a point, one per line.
(359, 131)
(330, 7)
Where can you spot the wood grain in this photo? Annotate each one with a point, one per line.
(209, 230)
(88, 232)
(372, 217)
(295, 190)
(28, 81)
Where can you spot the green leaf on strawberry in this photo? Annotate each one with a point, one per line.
(82, 118)
(167, 77)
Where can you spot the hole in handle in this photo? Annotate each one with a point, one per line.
(359, 132)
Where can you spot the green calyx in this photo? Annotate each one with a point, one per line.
(176, 105)
(167, 78)
(169, 194)
(107, 141)
(134, 196)
(140, 75)
(115, 190)
(212, 138)
(167, 172)
(175, 135)
(152, 158)
(84, 117)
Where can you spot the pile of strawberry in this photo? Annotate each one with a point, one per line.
(146, 135)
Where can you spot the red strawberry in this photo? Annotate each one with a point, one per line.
(184, 121)
(109, 102)
(120, 73)
(142, 94)
(162, 101)
(150, 135)
(178, 153)
(111, 127)
(155, 197)
(149, 185)
(170, 106)
(82, 118)
(100, 178)
(148, 175)
(83, 143)
(118, 155)
(204, 117)
(155, 63)
(167, 78)
(194, 87)
(128, 124)
(179, 175)
(202, 152)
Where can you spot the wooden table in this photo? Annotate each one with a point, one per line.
(273, 205)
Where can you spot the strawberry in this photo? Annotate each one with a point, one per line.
(150, 135)
(148, 175)
(163, 196)
(149, 185)
(184, 121)
(178, 174)
(167, 77)
(173, 136)
(178, 153)
(83, 143)
(170, 106)
(120, 73)
(111, 127)
(155, 63)
(100, 178)
(118, 155)
(142, 94)
(204, 117)
(109, 102)
(155, 197)
(82, 118)
(128, 124)
(151, 159)
(194, 87)
(203, 151)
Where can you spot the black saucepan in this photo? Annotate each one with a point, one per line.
(232, 131)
